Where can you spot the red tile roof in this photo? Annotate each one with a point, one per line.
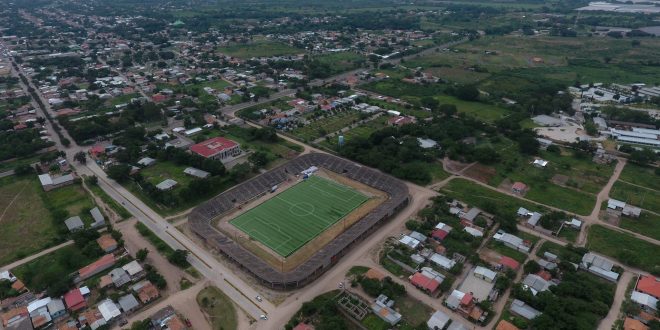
(422, 281)
(213, 146)
(509, 262)
(649, 285)
(506, 325)
(519, 186)
(467, 299)
(439, 234)
(74, 300)
(97, 266)
(303, 326)
(544, 275)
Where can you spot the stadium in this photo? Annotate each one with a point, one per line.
(289, 225)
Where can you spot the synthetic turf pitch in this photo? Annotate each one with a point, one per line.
(297, 215)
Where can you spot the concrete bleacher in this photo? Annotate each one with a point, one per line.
(201, 217)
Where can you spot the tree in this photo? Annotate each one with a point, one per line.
(141, 325)
(119, 173)
(142, 254)
(643, 157)
(258, 159)
(179, 258)
(531, 267)
(467, 93)
(429, 102)
(66, 142)
(81, 157)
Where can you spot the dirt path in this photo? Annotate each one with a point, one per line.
(619, 297)
(34, 256)
(12, 202)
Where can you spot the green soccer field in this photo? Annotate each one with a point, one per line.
(287, 221)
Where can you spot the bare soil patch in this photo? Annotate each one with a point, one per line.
(480, 173)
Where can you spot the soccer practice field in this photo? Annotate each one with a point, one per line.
(289, 220)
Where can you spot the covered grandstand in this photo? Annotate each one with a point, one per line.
(200, 219)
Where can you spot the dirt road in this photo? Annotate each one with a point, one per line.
(619, 297)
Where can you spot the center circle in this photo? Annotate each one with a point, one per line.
(301, 209)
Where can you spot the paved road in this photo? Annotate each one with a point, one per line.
(34, 256)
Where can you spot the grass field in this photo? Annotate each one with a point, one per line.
(625, 248)
(260, 48)
(328, 125)
(640, 175)
(219, 308)
(643, 197)
(647, 224)
(166, 170)
(23, 215)
(287, 221)
(485, 198)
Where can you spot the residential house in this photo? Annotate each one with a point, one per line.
(49, 183)
(523, 310)
(382, 307)
(23, 323)
(442, 261)
(536, 283)
(196, 173)
(146, 291)
(74, 223)
(599, 266)
(438, 321)
(418, 236)
(159, 319)
(56, 308)
(506, 325)
(74, 300)
(128, 303)
(119, 277)
(427, 280)
(519, 188)
(167, 184)
(540, 163)
(99, 220)
(109, 310)
(134, 270)
(96, 267)
(92, 318)
(107, 243)
(410, 242)
(485, 274)
(470, 215)
(146, 162)
(512, 241)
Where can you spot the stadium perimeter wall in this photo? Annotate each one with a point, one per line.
(200, 218)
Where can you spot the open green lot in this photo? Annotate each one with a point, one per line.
(163, 170)
(292, 218)
(39, 273)
(259, 48)
(23, 214)
(641, 176)
(642, 197)
(74, 199)
(323, 126)
(485, 198)
(341, 61)
(647, 224)
(219, 308)
(507, 251)
(484, 111)
(625, 248)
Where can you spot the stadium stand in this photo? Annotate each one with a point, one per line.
(200, 218)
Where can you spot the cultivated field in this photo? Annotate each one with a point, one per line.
(292, 218)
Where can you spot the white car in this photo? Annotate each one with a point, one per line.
(259, 299)
(263, 317)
